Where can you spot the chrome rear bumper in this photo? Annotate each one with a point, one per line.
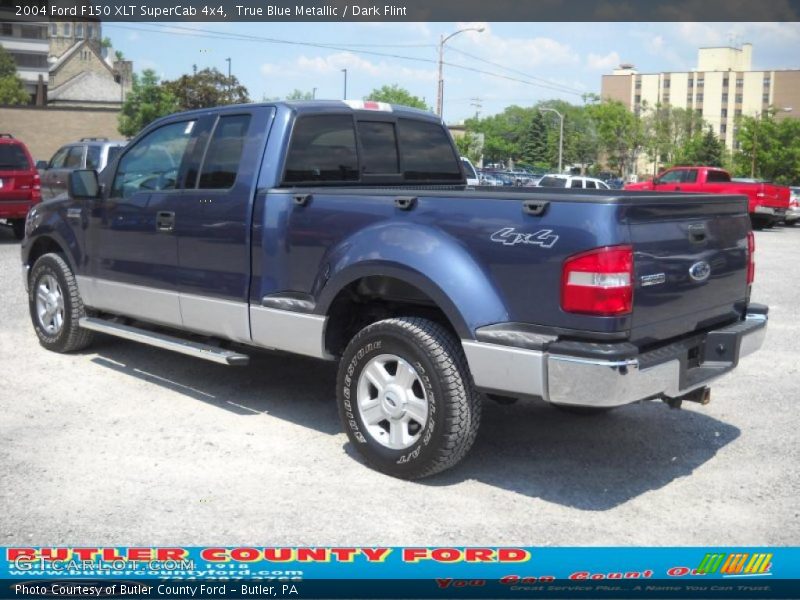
(579, 381)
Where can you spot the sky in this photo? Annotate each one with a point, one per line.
(507, 63)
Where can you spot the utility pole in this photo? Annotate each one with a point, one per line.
(440, 89)
(345, 84)
(313, 93)
(476, 102)
(228, 60)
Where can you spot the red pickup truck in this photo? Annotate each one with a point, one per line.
(767, 202)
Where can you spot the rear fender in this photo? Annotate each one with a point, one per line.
(423, 257)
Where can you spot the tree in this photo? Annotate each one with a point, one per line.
(620, 133)
(534, 144)
(470, 145)
(12, 89)
(394, 94)
(205, 89)
(300, 95)
(146, 102)
(768, 149)
(703, 149)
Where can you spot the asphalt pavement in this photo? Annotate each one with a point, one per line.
(124, 444)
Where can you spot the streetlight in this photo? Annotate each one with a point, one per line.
(313, 93)
(785, 109)
(345, 84)
(442, 40)
(560, 136)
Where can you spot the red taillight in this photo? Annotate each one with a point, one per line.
(598, 282)
(751, 259)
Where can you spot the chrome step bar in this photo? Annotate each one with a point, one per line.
(167, 342)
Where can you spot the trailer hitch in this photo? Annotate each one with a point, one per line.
(700, 395)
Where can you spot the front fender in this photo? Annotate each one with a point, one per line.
(47, 220)
(422, 256)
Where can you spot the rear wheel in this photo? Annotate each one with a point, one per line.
(18, 225)
(56, 306)
(406, 397)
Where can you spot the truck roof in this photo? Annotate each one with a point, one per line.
(322, 106)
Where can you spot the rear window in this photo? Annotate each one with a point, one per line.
(13, 158)
(469, 169)
(426, 151)
(113, 152)
(379, 142)
(717, 177)
(553, 182)
(93, 157)
(323, 148)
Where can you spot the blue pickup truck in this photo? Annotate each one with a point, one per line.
(344, 231)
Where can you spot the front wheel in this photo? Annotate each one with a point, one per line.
(406, 397)
(56, 306)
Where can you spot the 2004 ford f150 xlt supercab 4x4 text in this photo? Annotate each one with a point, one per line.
(344, 231)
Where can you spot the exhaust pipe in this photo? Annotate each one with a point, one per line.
(700, 395)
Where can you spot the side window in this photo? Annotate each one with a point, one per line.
(590, 184)
(689, 175)
(57, 162)
(675, 176)
(379, 142)
(74, 158)
(576, 183)
(153, 163)
(426, 151)
(717, 176)
(93, 157)
(323, 148)
(224, 152)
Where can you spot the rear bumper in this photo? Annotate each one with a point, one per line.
(769, 211)
(14, 209)
(669, 371)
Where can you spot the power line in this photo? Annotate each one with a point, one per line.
(196, 32)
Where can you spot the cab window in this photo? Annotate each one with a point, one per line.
(74, 158)
(57, 162)
(224, 152)
(674, 176)
(323, 148)
(154, 162)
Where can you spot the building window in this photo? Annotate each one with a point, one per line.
(699, 98)
(724, 113)
(637, 99)
(688, 98)
(666, 84)
(765, 98)
(739, 82)
(666, 98)
(725, 97)
(723, 129)
(738, 112)
(36, 61)
(6, 29)
(89, 32)
(725, 81)
(700, 82)
(54, 29)
(79, 30)
(738, 98)
(67, 30)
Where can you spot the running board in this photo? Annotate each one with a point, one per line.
(167, 342)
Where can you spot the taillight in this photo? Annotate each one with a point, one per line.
(598, 282)
(751, 259)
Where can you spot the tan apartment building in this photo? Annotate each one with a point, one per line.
(722, 87)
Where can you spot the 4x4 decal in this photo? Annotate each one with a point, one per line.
(509, 236)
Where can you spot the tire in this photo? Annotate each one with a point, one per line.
(18, 226)
(583, 411)
(424, 417)
(55, 305)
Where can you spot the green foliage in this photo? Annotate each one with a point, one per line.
(300, 95)
(469, 145)
(702, 149)
(12, 89)
(620, 134)
(394, 94)
(146, 102)
(534, 142)
(105, 43)
(769, 149)
(205, 89)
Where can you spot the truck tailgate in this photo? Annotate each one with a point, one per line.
(690, 265)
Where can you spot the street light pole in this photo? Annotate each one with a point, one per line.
(345, 84)
(560, 137)
(440, 87)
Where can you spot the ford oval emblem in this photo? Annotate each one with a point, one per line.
(700, 271)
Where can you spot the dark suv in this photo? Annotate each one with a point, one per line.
(89, 153)
(19, 183)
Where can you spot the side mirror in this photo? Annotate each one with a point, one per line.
(42, 164)
(655, 181)
(83, 184)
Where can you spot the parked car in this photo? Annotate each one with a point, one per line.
(489, 179)
(88, 153)
(471, 173)
(572, 181)
(19, 183)
(767, 202)
(793, 212)
(280, 234)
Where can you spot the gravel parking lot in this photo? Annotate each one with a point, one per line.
(129, 445)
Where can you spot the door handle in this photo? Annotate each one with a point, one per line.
(165, 221)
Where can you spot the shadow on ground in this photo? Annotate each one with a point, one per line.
(590, 463)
